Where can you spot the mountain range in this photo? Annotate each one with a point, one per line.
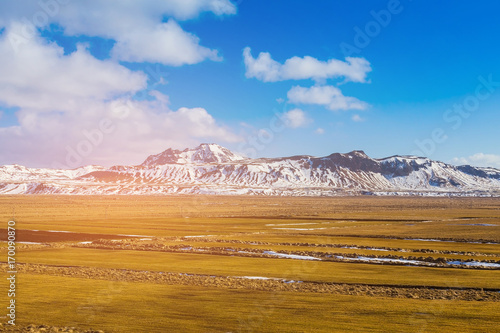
(212, 169)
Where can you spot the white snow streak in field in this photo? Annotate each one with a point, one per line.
(474, 263)
(290, 256)
(299, 229)
(265, 278)
(277, 225)
(403, 261)
(134, 235)
(446, 241)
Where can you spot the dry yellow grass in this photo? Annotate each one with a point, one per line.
(152, 307)
(141, 307)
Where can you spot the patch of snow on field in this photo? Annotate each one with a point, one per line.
(28, 243)
(474, 263)
(446, 241)
(301, 229)
(277, 225)
(265, 278)
(359, 248)
(481, 224)
(290, 256)
(134, 235)
(58, 231)
(402, 261)
(429, 240)
(88, 242)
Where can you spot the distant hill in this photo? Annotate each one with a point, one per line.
(212, 169)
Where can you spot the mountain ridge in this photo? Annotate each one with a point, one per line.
(213, 169)
(204, 153)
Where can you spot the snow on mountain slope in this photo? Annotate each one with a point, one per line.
(19, 173)
(212, 169)
(204, 153)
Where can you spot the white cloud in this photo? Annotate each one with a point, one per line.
(136, 26)
(479, 159)
(160, 97)
(295, 118)
(357, 118)
(63, 99)
(100, 17)
(459, 160)
(39, 76)
(319, 131)
(328, 96)
(82, 18)
(166, 43)
(266, 69)
(139, 128)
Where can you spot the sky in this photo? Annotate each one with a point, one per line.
(107, 83)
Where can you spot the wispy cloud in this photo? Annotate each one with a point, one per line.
(357, 118)
(328, 96)
(479, 159)
(295, 118)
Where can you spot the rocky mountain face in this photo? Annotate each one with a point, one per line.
(212, 169)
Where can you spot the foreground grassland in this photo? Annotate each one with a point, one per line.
(255, 264)
(144, 307)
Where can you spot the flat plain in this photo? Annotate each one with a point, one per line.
(255, 264)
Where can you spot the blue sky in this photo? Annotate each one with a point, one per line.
(174, 74)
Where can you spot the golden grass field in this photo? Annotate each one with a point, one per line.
(255, 264)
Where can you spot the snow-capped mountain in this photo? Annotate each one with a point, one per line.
(204, 153)
(212, 169)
